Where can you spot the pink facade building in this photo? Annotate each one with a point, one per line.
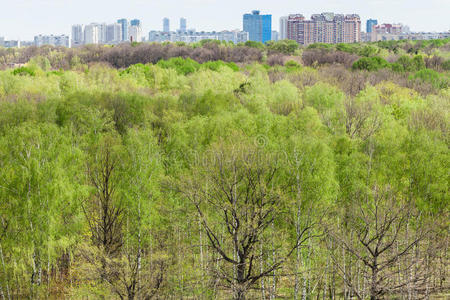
(384, 32)
(324, 28)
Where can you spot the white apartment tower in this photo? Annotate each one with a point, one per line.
(91, 34)
(102, 30)
(135, 33)
(114, 33)
(77, 35)
(283, 28)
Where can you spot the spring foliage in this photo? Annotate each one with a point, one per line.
(202, 178)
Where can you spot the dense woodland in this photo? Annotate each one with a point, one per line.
(220, 171)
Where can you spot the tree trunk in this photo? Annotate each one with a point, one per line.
(274, 275)
(8, 294)
(408, 270)
(239, 294)
(298, 232)
(131, 294)
(1, 292)
(373, 285)
(240, 289)
(139, 252)
(202, 267)
(345, 272)
(263, 288)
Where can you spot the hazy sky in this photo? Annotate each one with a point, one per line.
(25, 18)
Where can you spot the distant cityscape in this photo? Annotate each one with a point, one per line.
(325, 27)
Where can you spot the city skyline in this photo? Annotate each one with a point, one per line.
(202, 14)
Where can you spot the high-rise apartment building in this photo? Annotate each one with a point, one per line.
(114, 33)
(135, 34)
(124, 24)
(327, 28)
(53, 40)
(2, 41)
(283, 28)
(12, 44)
(135, 22)
(102, 32)
(275, 36)
(388, 28)
(369, 24)
(135, 31)
(192, 36)
(259, 27)
(91, 34)
(385, 32)
(183, 25)
(166, 25)
(77, 35)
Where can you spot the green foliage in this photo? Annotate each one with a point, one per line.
(24, 71)
(339, 141)
(292, 65)
(407, 64)
(321, 46)
(349, 48)
(216, 65)
(40, 62)
(182, 66)
(437, 80)
(209, 41)
(446, 65)
(368, 51)
(288, 47)
(253, 44)
(370, 64)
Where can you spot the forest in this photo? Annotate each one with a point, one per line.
(221, 171)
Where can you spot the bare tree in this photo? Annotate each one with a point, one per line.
(243, 196)
(126, 268)
(362, 119)
(376, 234)
(104, 212)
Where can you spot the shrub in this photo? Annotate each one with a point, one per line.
(436, 79)
(275, 59)
(253, 44)
(285, 46)
(24, 71)
(435, 62)
(320, 46)
(418, 62)
(370, 63)
(368, 51)
(292, 65)
(232, 66)
(181, 65)
(396, 67)
(446, 65)
(322, 57)
(347, 48)
(216, 65)
(407, 64)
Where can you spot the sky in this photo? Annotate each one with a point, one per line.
(23, 19)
